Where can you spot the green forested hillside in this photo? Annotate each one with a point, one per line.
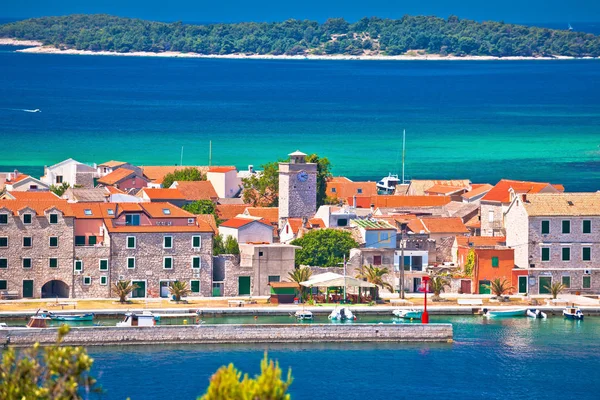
(451, 36)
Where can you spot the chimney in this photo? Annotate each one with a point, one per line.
(354, 201)
(372, 207)
(524, 197)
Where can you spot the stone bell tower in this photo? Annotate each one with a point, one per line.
(297, 188)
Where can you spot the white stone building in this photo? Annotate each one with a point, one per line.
(71, 172)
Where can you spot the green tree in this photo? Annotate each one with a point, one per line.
(499, 287)
(438, 284)
(179, 289)
(555, 289)
(59, 190)
(231, 246)
(123, 289)
(298, 275)
(470, 263)
(218, 245)
(227, 384)
(376, 276)
(45, 373)
(262, 189)
(202, 207)
(323, 175)
(324, 247)
(185, 174)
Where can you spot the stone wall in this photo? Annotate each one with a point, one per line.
(208, 334)
(495, 227)
(227, 266)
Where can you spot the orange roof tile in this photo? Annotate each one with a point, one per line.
(156, 210)
(338, 179)
(201, 227)
(500, 193)
(114, 190)
(116, 176)
(444, 225)
(39, 206)
(409, 201)
(210, 220)
(270, 214)
(18, 178)
(345, 189)
(295, 224)
(477, 190)
(416, 226)
(157, 173)
(221, 169)
(33, 196)
(112, 163)
(478, 241)
(162, 194)
(228, 211)
(93, 210)
(444, 189)
(316, 223)
(239, 222)
(197, 190)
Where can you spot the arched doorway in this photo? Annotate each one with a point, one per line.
(54, 289)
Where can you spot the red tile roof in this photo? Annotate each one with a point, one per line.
(156, 173)
(221, 169)
(500, 193)
(162, 194)
(228, 211)
(316, 223)
(444, 225)
(444, 189)
(210, 220)
(39, 206)
(95, 210)
(409, 201)
(295, 224)
(18, 178)
(345, 189)
(270, 214)
(197, 190)
(33, 196)
(237, 223)
(116, 176)
(200, 227)
(477, 190)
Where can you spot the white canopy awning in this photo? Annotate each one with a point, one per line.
(330, 279)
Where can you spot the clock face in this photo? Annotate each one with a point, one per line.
(302, 176)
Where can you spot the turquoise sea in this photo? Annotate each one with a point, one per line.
(485, 120)
(513, 359)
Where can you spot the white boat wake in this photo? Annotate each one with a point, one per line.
(32, 111)
(37, 110)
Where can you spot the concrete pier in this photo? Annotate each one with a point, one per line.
(212, 334)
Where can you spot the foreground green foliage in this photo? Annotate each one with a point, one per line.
(324, 247)
(335, 36)
(53, 372)
(59, 190)
(185, 174)
(227, 246)
(227, 384)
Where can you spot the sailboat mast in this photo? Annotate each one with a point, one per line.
(181, 158)
(210, 153)
(403, 152)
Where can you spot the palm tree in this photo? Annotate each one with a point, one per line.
(300, 275)
(123, 288)
(438, 284)
(375, 276)
(499, 287)
(555, 289)
(179, 289)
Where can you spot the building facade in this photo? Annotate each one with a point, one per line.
(297, 188)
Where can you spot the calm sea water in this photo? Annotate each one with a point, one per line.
(492, 359)
(536, 120)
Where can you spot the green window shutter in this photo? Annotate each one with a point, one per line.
(78, 265)
(545, 253)
(79, 240)
(274, 278)
(103, 280)
(566, 226)
(545, 227)
(566, 253)
(168, 263)
(4, 242)
(54, 241)
(130, 262)
(196, 262)
(566, 281)
(587, 282)
(196, 241)
(586, 254)
(131, 242)
(168, 242)
(3, 219)
(92, 240)
(103, 265)
(195, 286)
(495, 262)
(3, 285)
(27, 263)
(27, 218)
(53, 263)
(26, 242)
(3, 263)
(54, 218)
(587, 226)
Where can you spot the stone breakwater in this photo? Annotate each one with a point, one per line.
(227, 334)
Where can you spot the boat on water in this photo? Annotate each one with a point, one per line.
(388, 184)
(535, 313)
(71, 317)
(138, 319)
(342, 314)
(513, 312)
(408, 314)
(38, 321)
(573, 313)
(303, 315)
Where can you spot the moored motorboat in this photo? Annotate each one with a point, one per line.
(573, 313)
(341, 314)
(71, 317)
(38, 321)
(303, 315)
(535, 313)
(408, 314)
(513, 312)
(136, 319)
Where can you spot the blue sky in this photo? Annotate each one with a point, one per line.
(276, 10)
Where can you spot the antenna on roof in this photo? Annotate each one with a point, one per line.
(181, 159)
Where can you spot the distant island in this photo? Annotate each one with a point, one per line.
(410, 37)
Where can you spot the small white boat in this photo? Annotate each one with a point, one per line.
(388, 184)
(573, 313)
(134, 319)
(342, 314)
(3, 325)
(535, 313)
(408, 314)
(303, 315)
(513, 312)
